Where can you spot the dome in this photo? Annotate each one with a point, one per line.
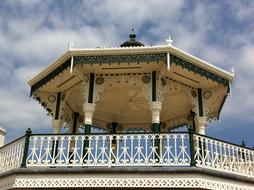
(132, 41)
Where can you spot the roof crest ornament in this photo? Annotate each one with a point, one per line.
(169, 41)
(70, 46)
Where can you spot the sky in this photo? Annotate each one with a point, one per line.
(33, 33)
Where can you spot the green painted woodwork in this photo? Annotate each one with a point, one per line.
(106, 59)
(138, 58)
(50, 76)
(91, 88)
(25, 154)
(58, 101)
(86, 141)
(154, 86)
(192, 149)
(198, 70)
(75, 121)
(200, 103)
(156, 128)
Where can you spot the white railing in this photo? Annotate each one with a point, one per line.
(120, 150)
(11, 155)
(219, 155)
(109, 150)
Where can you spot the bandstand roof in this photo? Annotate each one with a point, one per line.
(177, 67)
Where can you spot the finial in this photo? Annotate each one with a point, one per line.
(28, 131)
(169, 41)
(132, 35)
(70, 46)
(233, 70)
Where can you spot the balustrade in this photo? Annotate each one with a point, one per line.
(11, 155)
(182, 149)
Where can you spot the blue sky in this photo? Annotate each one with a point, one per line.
(34, 33)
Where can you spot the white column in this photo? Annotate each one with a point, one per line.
(88, 109)
(200, 124)
(2, 136)
(56, 126)
(156, 109)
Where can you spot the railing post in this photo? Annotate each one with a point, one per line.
(27, 136)
(192, 149)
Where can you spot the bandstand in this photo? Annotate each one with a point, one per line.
(116, 114)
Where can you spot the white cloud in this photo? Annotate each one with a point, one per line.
(34, 33)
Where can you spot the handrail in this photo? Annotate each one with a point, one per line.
(12, 142)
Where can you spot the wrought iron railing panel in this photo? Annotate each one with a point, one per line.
(220, 155)
(109, 150)
(11, 155)
(181, 149)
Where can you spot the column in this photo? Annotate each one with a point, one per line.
(89, 106)
(88, 109)
(113, 129)
(56, 126)
(2, 136)
(56, 121)
(155, 109)
(200, 119)
(74, 131)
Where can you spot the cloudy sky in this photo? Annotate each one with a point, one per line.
(35, 32)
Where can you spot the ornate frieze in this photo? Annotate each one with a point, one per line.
(47, 101)
(129, 58)
(123, 181)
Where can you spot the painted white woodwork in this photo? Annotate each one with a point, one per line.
(11, 155)
(118, 181)
(200, 124)
(2, 136)
(155, 109)
(223, 156)
(131, 150)
(89, 111)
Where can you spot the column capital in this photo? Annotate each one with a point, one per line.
(56, 125)
(156, 109)
(88, 109)
(155, 106)
(201, 124)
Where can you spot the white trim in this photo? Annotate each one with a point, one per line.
(125, 50)
(118, 180)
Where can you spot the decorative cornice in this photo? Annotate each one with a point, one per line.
(108, 59)
(196, 69)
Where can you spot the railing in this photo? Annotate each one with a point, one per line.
(11, 155)
(179, 149)
(109, 150)
(219, 155)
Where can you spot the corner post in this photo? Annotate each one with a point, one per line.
(56, 125)
(192, 147)
(26, 147)
(88, 109)
(155, 109)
